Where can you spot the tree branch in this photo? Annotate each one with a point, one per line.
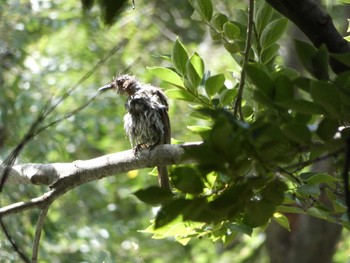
(316, 24)
(64, 176)
(38, 231)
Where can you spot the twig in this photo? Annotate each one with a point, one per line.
(301, 165)
(237, 107)
(38, 231)
(14, 245)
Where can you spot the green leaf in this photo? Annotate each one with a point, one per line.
(272, 32)
(307, 190)
(263, 16)
(274, 191)
(343, 58)
(282, 220)
(319, 213)
(180, 94)
(227, 96)
(260, 97)
(213, 84)
(231, 47)
(240, 228)
(258, 213)
(199, 128)
(169, 211)
(218, 21)
(167, 75)
(306, 52)
(326, 95)
(194, 72)
(326, 129)
(187, 180)
(321, 179)
(153, 195)
(231, 31)
(320, 63)
(302, 106)
(284, 88)
(198, 64)
(179, 57)
(261, 79)
(298, 133)
(204, 9)
(289, 209)
(269, 53)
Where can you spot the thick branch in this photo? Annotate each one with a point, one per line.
(64, 176)
(316, 24)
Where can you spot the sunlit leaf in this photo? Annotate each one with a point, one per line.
(213, 84)
(263, 16)
(179, 57)
(282, 220)
(167, 75)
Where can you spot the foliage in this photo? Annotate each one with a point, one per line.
(257, 168)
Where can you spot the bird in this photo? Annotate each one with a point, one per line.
(146, 122)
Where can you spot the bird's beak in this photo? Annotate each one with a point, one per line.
(106, 87)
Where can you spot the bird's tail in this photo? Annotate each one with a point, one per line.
(163, 177)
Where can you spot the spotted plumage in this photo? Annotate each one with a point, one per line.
(147, 122)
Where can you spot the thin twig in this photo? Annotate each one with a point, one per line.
(14, 245)
(38, 231)
(301, 165)
(237, 107)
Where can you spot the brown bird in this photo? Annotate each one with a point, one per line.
(147, 121)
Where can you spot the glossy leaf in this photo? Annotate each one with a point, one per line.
(213, 84)
(231, 31)
(227, 96)
(204, 9)
(180, 95)
(268, 54)
(272, 32)
(282, 220)
(167, 75)
(218, 21)
(263, 16)
(179, 57)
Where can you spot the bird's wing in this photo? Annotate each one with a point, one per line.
(165, 117)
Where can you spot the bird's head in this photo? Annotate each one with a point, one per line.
(124, 84)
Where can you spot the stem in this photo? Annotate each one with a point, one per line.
(237, 107)
(38, 232)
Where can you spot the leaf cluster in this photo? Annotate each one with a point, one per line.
(257, 169)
